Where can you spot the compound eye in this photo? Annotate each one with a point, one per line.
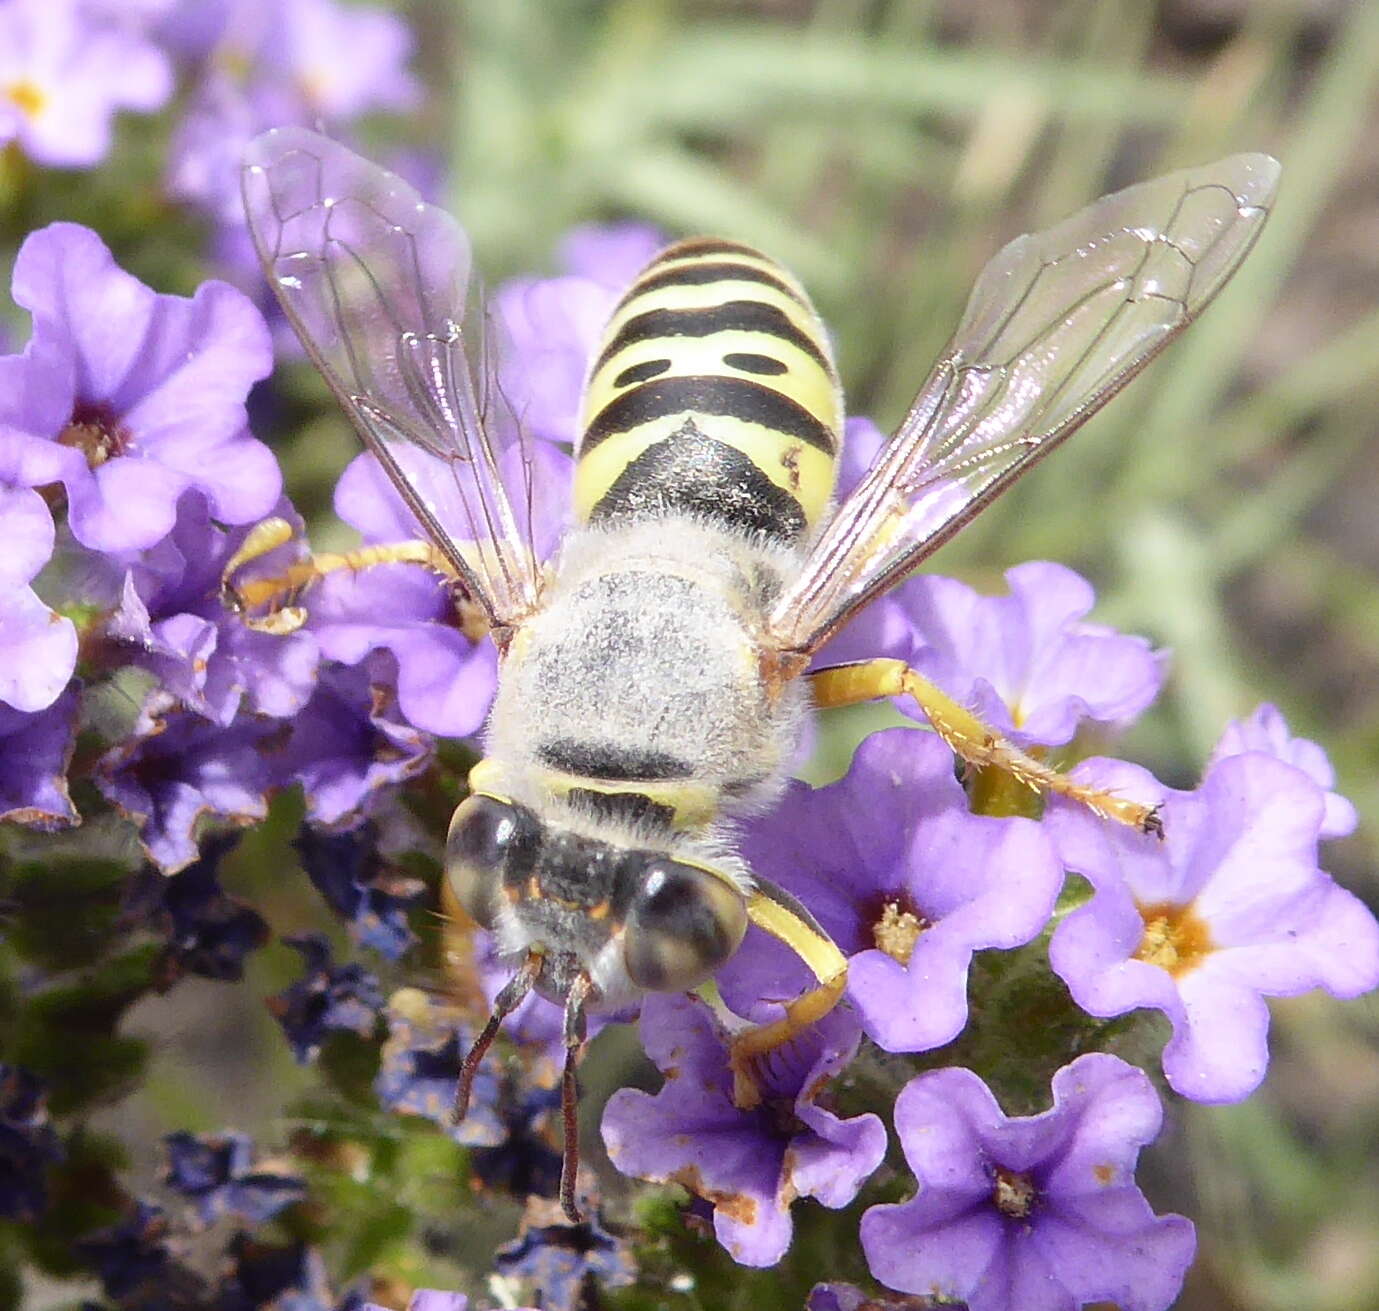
(683, 923)
(482, 837)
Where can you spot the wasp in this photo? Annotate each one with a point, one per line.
(655, 670)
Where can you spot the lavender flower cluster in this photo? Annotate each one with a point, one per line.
(989, 946)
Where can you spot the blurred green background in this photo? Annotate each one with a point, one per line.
(1225, 506)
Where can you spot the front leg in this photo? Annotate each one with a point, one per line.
(270, 605)
(779, 914)
(976, 742)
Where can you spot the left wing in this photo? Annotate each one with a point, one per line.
(1057, 324)
(379, 287)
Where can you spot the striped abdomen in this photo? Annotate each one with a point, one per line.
(714, 392)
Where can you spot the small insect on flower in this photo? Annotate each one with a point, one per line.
(651, 686)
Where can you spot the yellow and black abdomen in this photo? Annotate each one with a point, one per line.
(714, 393)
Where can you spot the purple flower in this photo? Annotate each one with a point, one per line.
(216, 1172)
(905, 879)
(133, 1256)
(553, 325)
(1266, 730)
(348, 871)
(327, 998)
(1039, 1213)
(64, 71)
(35, 751)
(170, 620)
(609, 253)
(175, 767)
(348, 744)
(421, 1066)
(38, 647)
(1227, 909)
(433, 1299)
(445, 678)
(560, 1262)
(273, 1277)
(149, 390)
(527, 1162)
(304, 61)
(1028, 663)
(207, 933)
(750, 1164)
(28, 1144)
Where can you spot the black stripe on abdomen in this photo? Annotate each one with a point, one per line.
(701, 274)
(689, 472)
(731, 316)
(734, 398)
(612, 763)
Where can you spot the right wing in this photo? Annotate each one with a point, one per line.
(378, 285)
(1057, 324)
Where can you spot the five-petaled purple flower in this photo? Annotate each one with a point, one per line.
(302, 61)
(905, 879)
(1028, 662)
(420, 1068)
(1039, 1213)
(1227, 909)
(64, 70)
(1266, 730)
(328, 997)
(137, 397)
(216, 1172)
(174, 767)
(751, 1164)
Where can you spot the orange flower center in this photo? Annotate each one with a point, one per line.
(27, 96)
(1175, 938)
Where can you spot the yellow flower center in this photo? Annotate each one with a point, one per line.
(1175, 938)
(27, 96)
(897, 930)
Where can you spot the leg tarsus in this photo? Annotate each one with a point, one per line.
(973, 740)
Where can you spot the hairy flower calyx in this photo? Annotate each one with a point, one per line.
(897, 929)
(1175, 938)
(1014, 1194)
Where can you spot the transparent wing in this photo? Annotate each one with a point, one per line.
(378, 286)
(1057, 324)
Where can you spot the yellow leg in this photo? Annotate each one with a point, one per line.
(977, 744)
(279, 593)
(783, 917)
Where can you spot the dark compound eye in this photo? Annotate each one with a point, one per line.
(483, 835)
(683, 923)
